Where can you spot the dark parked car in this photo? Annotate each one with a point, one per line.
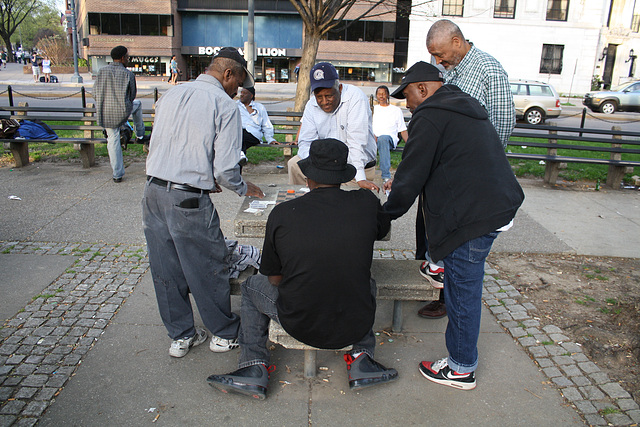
(625, 97)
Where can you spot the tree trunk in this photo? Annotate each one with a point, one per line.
(7, 43)
(309, 52)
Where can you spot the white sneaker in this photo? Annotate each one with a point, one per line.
(220, 345)
(180, 348)
(243, 159)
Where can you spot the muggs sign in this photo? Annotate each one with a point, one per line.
(261, 51)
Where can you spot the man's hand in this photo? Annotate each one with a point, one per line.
(217, 188)
(275, 280)
(254, 191)
(387, 185)
(274, 142)
(368, 185)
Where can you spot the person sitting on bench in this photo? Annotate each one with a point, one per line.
(316, 280)
(255, 120)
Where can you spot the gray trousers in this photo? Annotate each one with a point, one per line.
(258, 307)
(187, 255)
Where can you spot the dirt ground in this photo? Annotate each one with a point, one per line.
(594, 300)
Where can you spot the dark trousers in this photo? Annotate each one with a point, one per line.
(421, 238)
(187, 254)
(248, 141)
(258, 307)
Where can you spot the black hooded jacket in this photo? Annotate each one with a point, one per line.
(455, 160)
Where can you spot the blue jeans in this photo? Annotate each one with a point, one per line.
(385, 144)
(258, 307)
(187, 255)
(463, 277)
(113, 140)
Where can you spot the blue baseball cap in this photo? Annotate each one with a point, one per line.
(323, 75)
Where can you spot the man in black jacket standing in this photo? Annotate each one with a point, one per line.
(454, 160)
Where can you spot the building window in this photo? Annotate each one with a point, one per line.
(551, 62)
(130, 24)
(557, 10)
(504, 9)
(358, 31)
(635, 23)
(452, 7)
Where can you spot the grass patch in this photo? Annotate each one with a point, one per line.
(611, 301)
(584, 300)
(609, 410)
(547, 343)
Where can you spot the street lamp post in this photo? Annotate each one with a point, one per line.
(251, 47)
(76, 78)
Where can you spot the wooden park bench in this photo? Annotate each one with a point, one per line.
(69, 116)
(396, 280)
(614, 143)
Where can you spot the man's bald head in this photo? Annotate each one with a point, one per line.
(443, 30)
(446, 43)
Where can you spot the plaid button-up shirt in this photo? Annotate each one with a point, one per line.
(481, 76)
(114, 92)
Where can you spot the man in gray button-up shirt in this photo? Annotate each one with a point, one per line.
(195, 146)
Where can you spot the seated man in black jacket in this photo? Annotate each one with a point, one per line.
(316, 279)
(455, 161)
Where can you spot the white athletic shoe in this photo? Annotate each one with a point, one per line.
(180, 348)
(221, 345)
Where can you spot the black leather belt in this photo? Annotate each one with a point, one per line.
(174, 186)
(371, 164)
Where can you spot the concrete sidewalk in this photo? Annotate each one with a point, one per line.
(83, 343)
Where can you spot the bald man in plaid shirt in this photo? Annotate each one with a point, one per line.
(114, 92)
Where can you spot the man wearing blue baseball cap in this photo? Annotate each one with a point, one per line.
(339, 111)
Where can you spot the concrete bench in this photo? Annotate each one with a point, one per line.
(397, 280)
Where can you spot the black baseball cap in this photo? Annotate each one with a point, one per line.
(232, 53)
(418, 72)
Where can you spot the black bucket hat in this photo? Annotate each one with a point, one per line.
(327, 162)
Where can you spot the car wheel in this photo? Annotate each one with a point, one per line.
(608, 107)
(534, 116)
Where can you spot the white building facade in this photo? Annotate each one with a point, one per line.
(566, 43)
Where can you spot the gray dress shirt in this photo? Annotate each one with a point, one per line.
(197, 136)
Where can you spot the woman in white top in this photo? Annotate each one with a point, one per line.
(46, 69)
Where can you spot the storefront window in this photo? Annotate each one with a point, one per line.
(147, 65)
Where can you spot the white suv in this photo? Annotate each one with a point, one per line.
(535, 101)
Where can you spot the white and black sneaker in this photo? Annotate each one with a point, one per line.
(180, 347)
(221, 345)
(433, 273)
(440, 372)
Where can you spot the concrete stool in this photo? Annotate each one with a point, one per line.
(278, 335)
(400, 280)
